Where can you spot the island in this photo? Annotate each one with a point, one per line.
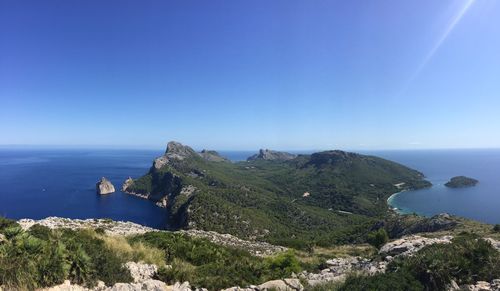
(104, 186)
(461, 182)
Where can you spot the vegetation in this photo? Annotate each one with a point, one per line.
(466, 260)
(496, 228)
(265, 199)
(205, 264)
(43, 257)
(378, 238)
(461, 182)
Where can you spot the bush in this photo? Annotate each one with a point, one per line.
(396, 281)
(377, 238)
(496, 228)
(466, 260)
(105, 264)
(282, 265)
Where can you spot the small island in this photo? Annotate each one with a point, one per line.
(461, 182)
(104, 186)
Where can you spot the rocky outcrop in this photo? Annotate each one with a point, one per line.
(110, 227)
(402, 225)
(140, 271)
(278, 285)
(479, 286)
(260, 249)
(269, 155)
(104, 186)
(338, 269)
(212, 156)
(127, 184)
(175, 152)
(409, 245)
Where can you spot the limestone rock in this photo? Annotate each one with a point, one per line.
(269, 155)
(127, 184)
(104, 186)
(282, 285)
(175, 152)
(409, 245)
(153, 285)
(212, 156)
(141, 272)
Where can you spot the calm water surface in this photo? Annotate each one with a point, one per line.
(481, 202)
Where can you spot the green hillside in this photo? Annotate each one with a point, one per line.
(324, 198)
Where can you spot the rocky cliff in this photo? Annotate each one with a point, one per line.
(104, 186)
(269, 155)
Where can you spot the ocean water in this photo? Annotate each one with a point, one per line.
(40, 183)
(481, 202)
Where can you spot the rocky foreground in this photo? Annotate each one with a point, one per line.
(336, 271)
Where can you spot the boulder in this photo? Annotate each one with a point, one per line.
(409, 245)
(282, 285)
(104, 186)
(141, 272)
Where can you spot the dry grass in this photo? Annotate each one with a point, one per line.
(134, 252)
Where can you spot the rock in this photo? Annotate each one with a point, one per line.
(494, 243)
(163, 202)
(104, 186)
(256, 248)
(282, 285)
(181, 287)
(409, 245)
(141, 272)
(2, 239)
(269, 155)
(175, 152)
(150, 284)
(111, 227)
(127, 184)
(212, 156)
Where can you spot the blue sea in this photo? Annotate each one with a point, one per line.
(481, 202)
(43, 182)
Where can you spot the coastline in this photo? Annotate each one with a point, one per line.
(393, 207)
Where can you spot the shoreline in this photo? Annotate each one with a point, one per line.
(393, 207)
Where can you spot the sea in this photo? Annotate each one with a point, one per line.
(37, 183)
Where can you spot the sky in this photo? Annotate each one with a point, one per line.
(242, 75)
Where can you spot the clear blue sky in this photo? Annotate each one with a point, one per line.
(248, 74)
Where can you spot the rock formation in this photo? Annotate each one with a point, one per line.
(104, 186)
(269, 155)
(127, 183)
(212, 156)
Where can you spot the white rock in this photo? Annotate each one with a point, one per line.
(282, 285)
(141, 272)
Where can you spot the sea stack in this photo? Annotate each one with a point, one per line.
(104, 186)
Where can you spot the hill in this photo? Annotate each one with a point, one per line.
(324, 198)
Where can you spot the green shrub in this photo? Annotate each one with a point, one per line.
(396, 281)
(496, 228)
(466, 260)
(282, 265)
(5, 222)
(377, 238)
(105, 264)
(52, 268)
